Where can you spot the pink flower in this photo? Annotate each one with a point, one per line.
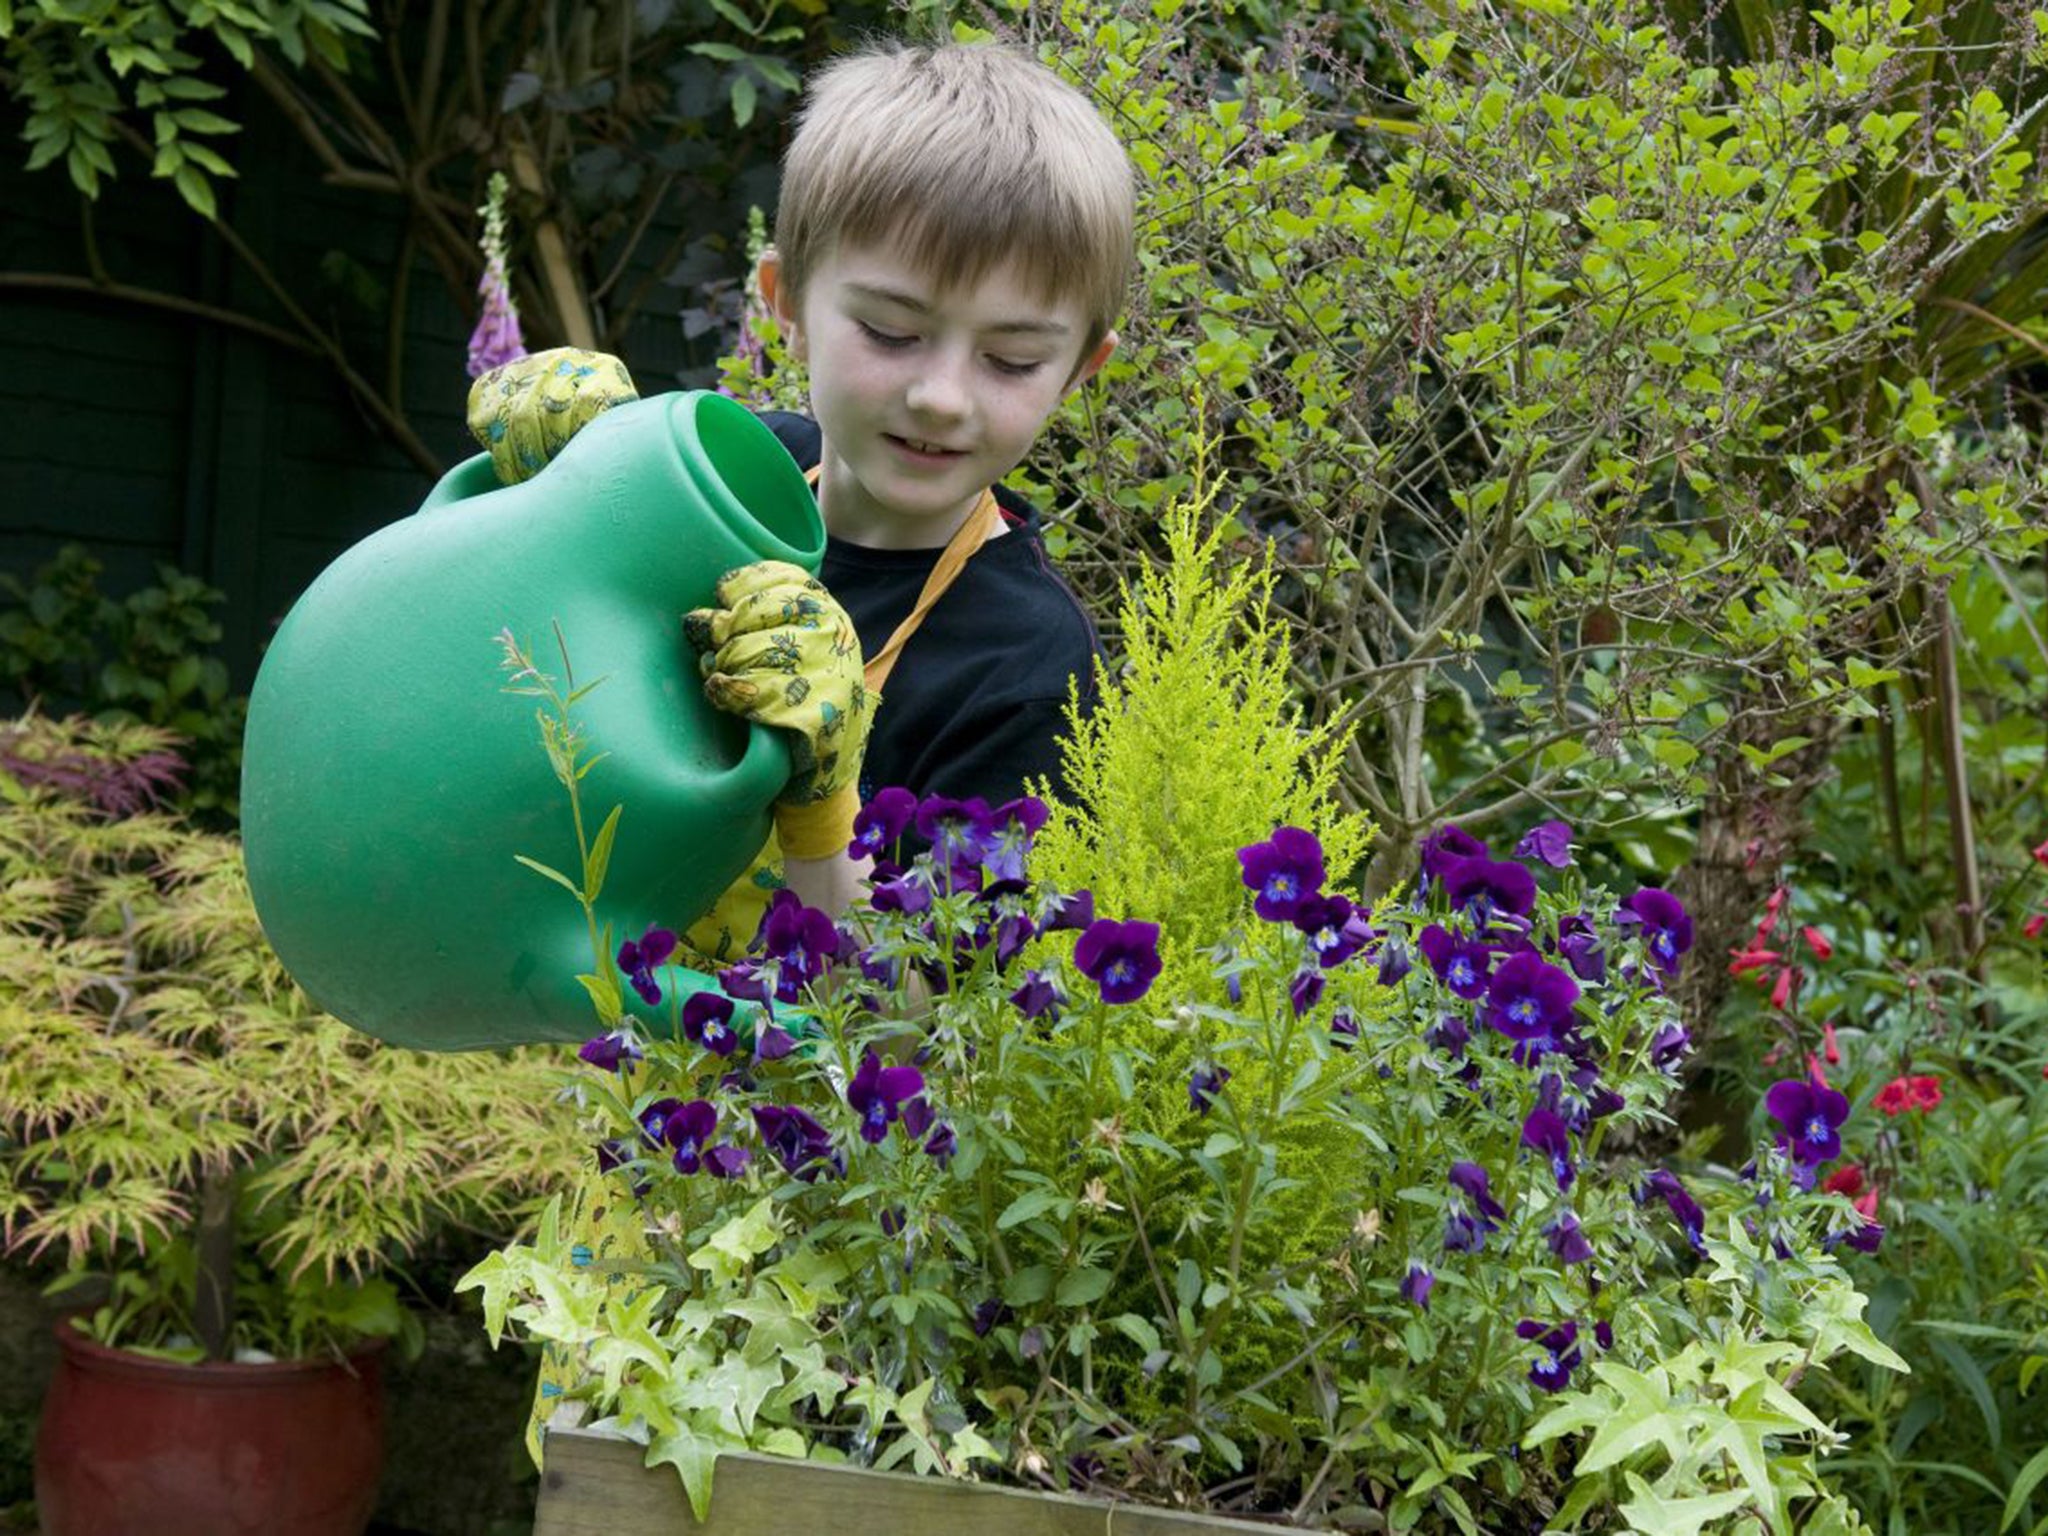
(2034, 926)
(2041, 853)
(1783, 987)
(1924, 1092)
(1894, 1098)
(1828, 1049)
(1817, 942)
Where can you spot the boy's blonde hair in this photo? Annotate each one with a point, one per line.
(961, 157)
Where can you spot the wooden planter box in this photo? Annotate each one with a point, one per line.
(594, 1485)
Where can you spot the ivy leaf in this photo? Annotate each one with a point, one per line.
(1644, 1417)
(1654, 1515)
(693, 1456)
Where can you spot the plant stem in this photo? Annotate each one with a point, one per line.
(213, 1296)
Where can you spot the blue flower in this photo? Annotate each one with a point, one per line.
(1395, 961)
(1121, 958)
(1305, 991)
(1416, 1286)
(1282, 871)
(1204, 1084)
(1550, 841)
(727, 1162)
(799, 1142)
(1666, 925)
(1484, 886)
(1530, 1001)
(1479, 1214)
(638, 958)
(1460, 963)
(612, 1052)
(686, 1129)
(1074, 912)
(707, 1021)
(882, 821)
(1545, 1131)
(1812, 1116)
(877, 1094)
(1560, 1346)
(1336, 930)
(801, 941)
(1445, 846)
(1039, 998)
(1581, 948)
(1568, 1240)
(1343, 1029)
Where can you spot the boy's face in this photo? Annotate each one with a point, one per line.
(925, 397)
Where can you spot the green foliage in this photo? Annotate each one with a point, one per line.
(1198, 750)
(93, 76)
(145, 659)
(155, 1058)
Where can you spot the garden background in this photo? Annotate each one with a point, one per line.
(1639, 404)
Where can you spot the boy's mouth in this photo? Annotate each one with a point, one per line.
(924, 449)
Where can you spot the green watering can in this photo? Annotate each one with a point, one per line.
(390, 783)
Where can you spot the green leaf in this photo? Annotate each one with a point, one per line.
(692, 1455)
(1963, 1365)
(1033, 1202)
(743, 98)
(600, 858)
(553, 874)
(1024, 1286)
(2023, 1485)
(1650, 1511)
(1079, 1287)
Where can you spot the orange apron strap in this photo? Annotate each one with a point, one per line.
(979, 527)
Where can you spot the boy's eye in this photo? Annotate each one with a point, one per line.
(883, 338)
(1015, 368)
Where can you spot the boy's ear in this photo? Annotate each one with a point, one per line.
(768, 278)
(1092, 363)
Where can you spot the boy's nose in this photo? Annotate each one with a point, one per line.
(939, 390)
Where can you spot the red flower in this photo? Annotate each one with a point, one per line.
(2035, 925)
(1828, 1049)
(1782, 989)
(1845, 1180)
(1817, 942)
(1924, 1092)
(1751, 959)
(1895, 1097)
(2041, 853)
(1813, 1069)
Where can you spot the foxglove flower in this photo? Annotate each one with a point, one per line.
(1416, 1286)
(1812, 1116)
(1282, 871)
(612, 1052)
(1567, 1240)
(638, 958)
(1560, 1346)
(707, 1021)
(1039, 998)
(1204, 1084)
(1460, 963)
(1667, 928)
(877, 1094)
(496, 340)
(1530, 1001)
(882, 821)
(1550, 841)
(1545, 1131)
(686, 1129)
(1121, 958)
(1484, 886)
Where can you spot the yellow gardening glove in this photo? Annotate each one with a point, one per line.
(722, 935)
(524, 411)
(780, 651)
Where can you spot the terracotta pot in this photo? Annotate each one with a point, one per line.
(133, 1446)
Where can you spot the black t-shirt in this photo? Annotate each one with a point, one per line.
(978, 698)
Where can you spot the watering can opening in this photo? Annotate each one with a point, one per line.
(742, 466)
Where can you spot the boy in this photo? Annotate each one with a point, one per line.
(953, 243)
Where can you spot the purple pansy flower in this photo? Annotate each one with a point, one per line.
(1484, 886)
(1395, 961)
(1071, 912)
(1283, 870)
(1667, 928)
(961, 835)
(878, 1092)
(1204, 1084)
(1343, 1029)
(727, 1161)
(799, 1142)
(1477, 1215)
(1120, 958)
(1012, 934)
(1415, 1287)
(686, 1129)
(1449, 1034)
(1530, 1001)
(745, 979)
(989, 1315)
(1545, 1131)
(655, 1116)
(1668, 1047)
(1336, 930)
(1812, 1115)
(638, 958)
(800, 940)
(1460, 963)
(772, 1042)
(1560, 1346)
(1662, 1184)
(1550, 841)
(1445, 846)
(1581, 948)
(614, 1153)
(882, 821)
(1039, 998)
(1567, 1240)
(1305, 991)
(707, 1021)
(909, 893)
(612, 1052)
(942, 1143)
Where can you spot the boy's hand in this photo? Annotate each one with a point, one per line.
(780, 651)
(523, 412)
